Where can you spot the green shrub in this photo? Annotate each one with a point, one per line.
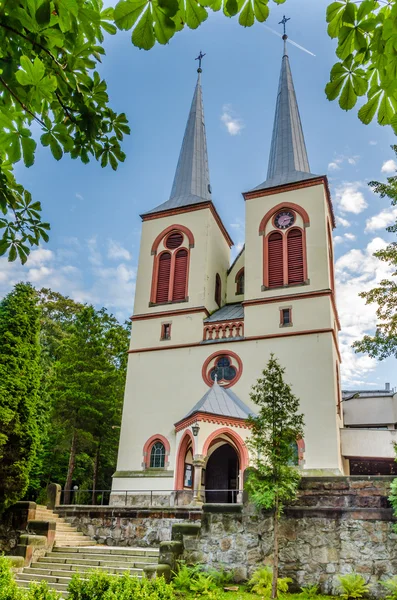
(39, 590)
(203, 584)
(309, 591)
(221, 577)
(104, 586)
(8, 586)
(352, 585)
(261, 582)
(391, 586)
(183, 578)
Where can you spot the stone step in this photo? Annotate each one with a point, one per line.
(73, 543)
(68, 535)
(47, 514)
(45, 577)
(87, 565)
(64, 527)
(59, 587)
(64, 570)
(127, 561)
(127, 550)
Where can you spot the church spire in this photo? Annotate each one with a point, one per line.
(288, 161)
(192, 181)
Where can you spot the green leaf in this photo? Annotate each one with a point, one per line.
(43, 13)
(333, 88)
(164, 27)
(109, 27)
(368, 110)
(143, 34)
(365, 8)
(195, 14)
(348, 97)
(56, 148)
(247, 18)
(230, 8)
(28, 148)
(261, 10)
(334, 18)
(386, 111)
(127, 13)
(345, 42)
(12, 254)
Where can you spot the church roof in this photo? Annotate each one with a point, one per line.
(192, 180)
(288, 161)
(221, 401)
(227, 313)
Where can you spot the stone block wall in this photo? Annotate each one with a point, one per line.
(127, 526)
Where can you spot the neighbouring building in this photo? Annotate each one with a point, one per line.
(204, 327)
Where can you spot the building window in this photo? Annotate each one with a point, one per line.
(218, 289)
(166, 331)
(275, 260)
(188, 476)
(295, 256)
(171, 268)
(226, 367)
(240, 282)
(285, 317)
(157, 456)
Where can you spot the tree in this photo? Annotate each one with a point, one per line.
(384, 342)
(275, 430)
(49, 50)
(20, 378)
(87, 386)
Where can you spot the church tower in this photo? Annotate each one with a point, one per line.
(203, 330)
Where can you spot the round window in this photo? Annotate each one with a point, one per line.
(225, 367)
(174, 240)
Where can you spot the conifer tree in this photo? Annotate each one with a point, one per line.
(274, 479)
(20, 378)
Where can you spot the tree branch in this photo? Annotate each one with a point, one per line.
(25, 108)
(66, 109)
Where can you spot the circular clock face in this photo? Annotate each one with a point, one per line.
(284, 219)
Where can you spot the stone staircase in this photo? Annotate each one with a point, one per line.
(65, 534)
(57, 567)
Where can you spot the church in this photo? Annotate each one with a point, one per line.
(204, 327)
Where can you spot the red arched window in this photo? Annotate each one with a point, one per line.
(180, 275)
(275, 260)
(163, 277)
(218, 289)
(295, 256)
(171, 266)
(240, 282)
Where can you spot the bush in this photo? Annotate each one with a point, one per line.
(391, 586)
(41, 591)
(261, 583)
(222, 577)
(104, 586)
(352, 585)
(8, 587)
(309, 591)
(183, 578)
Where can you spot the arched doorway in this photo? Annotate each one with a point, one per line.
(222, 474)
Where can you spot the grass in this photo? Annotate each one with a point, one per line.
(243, 594)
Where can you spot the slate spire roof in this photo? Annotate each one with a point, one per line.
(288, 161)
(192, 180)
(221, 401)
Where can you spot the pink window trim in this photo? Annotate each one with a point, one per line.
(168, 230)
(173, 253)
(148, 447)
(241, 447)
(284, 205)
(186, 441)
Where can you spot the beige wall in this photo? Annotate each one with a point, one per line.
(368, 443)
(231, 280)
(371, 411)
(162, 386)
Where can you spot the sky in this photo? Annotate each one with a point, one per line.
(94, 213)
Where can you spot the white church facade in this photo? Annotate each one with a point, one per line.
(203, 328)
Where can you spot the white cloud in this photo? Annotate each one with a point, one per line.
(390, 166)
(79, 196)
(233, 124)
(353, 160)
(100, 284)
(342, 222)
(350, 198)
(357, 271)
(333, 166)
(116, 251)
(336, 163)
(338, 239)
(373, 143)
(382, 220)
(350, 236)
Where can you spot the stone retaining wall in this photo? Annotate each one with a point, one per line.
(127, 526)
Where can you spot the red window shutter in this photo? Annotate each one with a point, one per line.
(163, 277)
(295, 256)
(275, 258)
(180, 275)
(174, 240)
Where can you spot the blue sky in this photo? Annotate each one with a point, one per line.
(94, 212)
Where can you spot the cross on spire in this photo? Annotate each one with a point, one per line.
(283, 22)
(200, 58)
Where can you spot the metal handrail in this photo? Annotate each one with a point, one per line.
(104, 495)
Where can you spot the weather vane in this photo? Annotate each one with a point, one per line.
(199, 58)
(283, 22)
